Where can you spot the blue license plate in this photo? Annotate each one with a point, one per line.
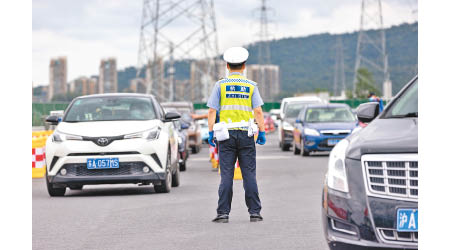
(332, 142)
(102, 163)
(407, 220)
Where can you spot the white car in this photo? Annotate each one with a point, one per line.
(111, 139)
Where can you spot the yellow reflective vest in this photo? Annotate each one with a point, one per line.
(236, 98)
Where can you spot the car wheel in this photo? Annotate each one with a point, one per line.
(176, 178)
(304, 151)
(183, 165)
(285, 146)
(77, 187)
(165, 185)
(54, 191)
(296, 150)
(194, 149)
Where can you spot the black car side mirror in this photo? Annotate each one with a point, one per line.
(170, 116)
(368, 111)
(53, 119)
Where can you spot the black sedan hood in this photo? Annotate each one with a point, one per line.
(385, 136)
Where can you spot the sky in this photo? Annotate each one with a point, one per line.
(85, 31)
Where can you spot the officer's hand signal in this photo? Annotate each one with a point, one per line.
(261, 140)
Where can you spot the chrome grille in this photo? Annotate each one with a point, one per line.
(392, 176)
(393, 236)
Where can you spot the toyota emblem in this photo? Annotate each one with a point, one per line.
(102, 141)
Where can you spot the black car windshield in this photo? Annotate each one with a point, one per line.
(110, 109)
(406, 105)
(330, 114)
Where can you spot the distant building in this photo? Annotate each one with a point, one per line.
(181, 93)
(157, 83)
(200, 84)
(138, 85)
(79, 85)
(92, 87)
(268, 79)
(40, 94)
(58, 77)
(108, 76)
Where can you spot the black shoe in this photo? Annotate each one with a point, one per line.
(255, 217)
(221, 218)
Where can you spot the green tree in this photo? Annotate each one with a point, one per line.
(365, 84)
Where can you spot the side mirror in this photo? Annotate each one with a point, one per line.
(298, 121)
(184, 125)
(367, 111)
(53, 119)
(170, 116)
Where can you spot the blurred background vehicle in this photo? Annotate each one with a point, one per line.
(289, 110)
(181, 130)
(373, 175)
(319, 127)
(186, 110)
(269, 123)
(204, 130)
(275, 115)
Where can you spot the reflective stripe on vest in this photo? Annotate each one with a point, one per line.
(236, 99)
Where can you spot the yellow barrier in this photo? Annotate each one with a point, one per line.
(38, 140)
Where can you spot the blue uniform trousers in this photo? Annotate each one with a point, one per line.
(238, 146)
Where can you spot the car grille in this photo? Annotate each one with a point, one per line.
(393, 236)
(392, 176)
(335, 132)
(125, 168)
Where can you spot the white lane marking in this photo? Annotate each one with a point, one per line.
(272, 157)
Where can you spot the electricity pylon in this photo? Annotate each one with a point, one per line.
(263, 35)
(339, 67)
(177, 30)
(371, 47)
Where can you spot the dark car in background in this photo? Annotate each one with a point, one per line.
(370, 194)
(321, 126)
(181, 129)
(186, 109)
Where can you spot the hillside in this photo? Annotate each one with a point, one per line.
(307, 63)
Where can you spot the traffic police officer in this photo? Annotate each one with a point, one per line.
(235, 97)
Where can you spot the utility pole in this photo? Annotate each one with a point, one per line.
(163, 39)
(339, 67)
(371, 46)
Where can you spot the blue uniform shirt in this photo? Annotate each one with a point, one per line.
(214, 99)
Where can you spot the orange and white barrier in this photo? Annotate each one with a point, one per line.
(38, 153)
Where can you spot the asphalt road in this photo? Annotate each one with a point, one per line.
(132, 217)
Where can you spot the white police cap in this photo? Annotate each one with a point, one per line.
(235, 55)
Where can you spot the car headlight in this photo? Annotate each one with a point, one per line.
(337, 177)
(310, 131)
(151, 134)
(287, 126)
(58, 136)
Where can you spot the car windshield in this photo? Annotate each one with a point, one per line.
(293, 109)
(331, 114)
(406, 105)
(110, 109)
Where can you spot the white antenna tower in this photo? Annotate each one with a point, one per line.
(371, 47)
(176, 30)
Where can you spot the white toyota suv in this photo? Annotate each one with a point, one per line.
(111, 139)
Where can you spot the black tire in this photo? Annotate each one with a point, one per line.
(304, 151)
(77, 187)
(183, 166)
(296, 150)
(285, 146)
(166, 184)
(54, 191)
(194, 149)
(176, 178)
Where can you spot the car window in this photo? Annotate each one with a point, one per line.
(406, 105)
(329, 114)
(110, 109)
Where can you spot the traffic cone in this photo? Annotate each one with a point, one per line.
(237, 171)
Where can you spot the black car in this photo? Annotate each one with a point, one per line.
(370, 195)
